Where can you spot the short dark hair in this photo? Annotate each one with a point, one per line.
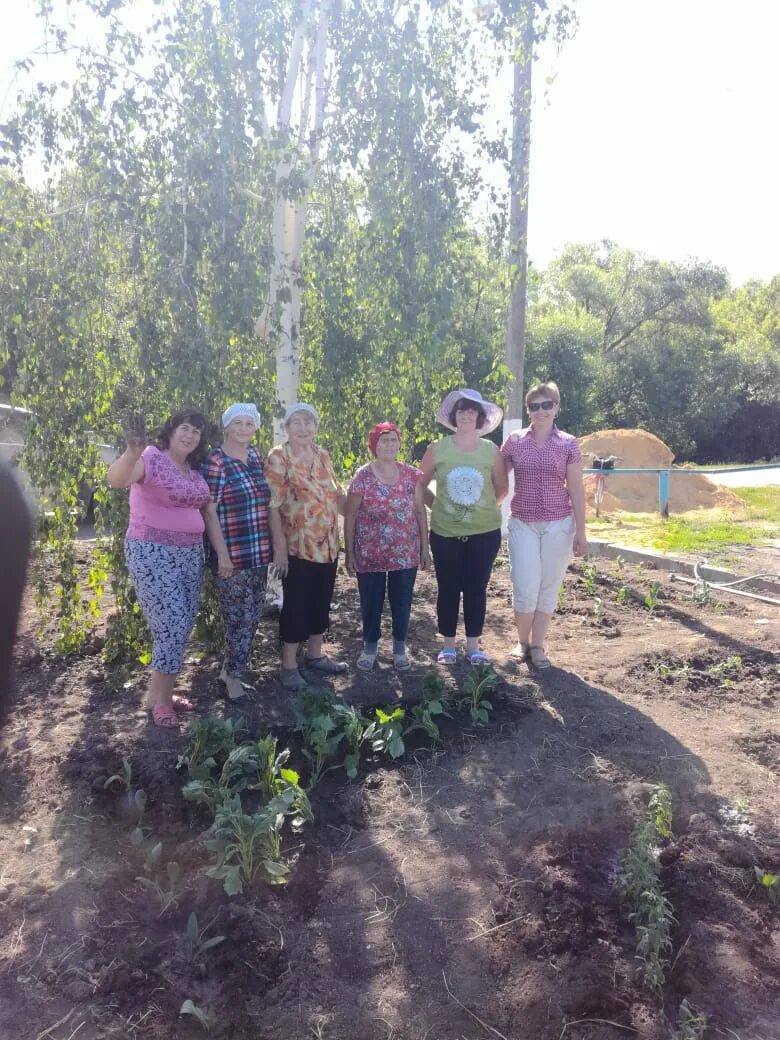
(196, 418)
(464, 404)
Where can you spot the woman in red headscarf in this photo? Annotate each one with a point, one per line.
(386, 535)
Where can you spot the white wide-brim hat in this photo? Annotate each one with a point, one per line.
(493, 414)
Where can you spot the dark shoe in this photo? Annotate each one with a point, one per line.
(325, 665)
(293, 681)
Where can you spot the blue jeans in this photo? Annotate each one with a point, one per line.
(399, 586)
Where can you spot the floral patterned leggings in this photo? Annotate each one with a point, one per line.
(242, 598)
(167, 583)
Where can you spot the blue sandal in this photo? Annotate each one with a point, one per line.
(447, 656)
(478, 657)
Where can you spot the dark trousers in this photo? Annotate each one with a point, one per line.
(463, 565)
(399, 586)
(307, 589)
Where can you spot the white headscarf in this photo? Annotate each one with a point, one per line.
(298, 406)
(235, 410)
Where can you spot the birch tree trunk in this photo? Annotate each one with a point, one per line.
(518, 214)
(280, 318)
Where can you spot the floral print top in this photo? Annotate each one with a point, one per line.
(307, 497)
(165, 506)
(387, 537)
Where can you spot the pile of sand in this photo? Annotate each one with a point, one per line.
(638, 492)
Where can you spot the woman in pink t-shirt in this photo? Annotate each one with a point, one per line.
(170, 506)
(386, 536)
(548, 517)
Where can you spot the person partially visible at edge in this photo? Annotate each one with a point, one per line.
(15, 534)
(465, 519)
(170, 506)
(386, 540)
(547, 517)
(306, 500)
(236, 479)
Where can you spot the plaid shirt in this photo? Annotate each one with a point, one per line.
(540, 474)
(242, 496)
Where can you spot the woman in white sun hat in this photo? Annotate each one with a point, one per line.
(465, 534)
(236, 479)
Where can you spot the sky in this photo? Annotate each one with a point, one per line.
(652, 127)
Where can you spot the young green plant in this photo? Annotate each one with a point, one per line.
(432, 705)
(640, 890)
(480, 682)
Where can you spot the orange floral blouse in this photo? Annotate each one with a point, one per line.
(307, 498)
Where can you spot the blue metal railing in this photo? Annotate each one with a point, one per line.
(665, 472)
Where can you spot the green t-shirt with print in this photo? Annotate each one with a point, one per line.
(465, 498)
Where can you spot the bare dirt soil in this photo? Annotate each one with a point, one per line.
(463, 892)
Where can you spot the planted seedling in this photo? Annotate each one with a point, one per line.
(598, 608)
(270, 762)
(124, 778)
(731, 666)
(690, 1024)
(651, 599)
(133, 801)
(480, 681)
(770, 883)
(163, 885)
(701, 594)
(589, 578)
(561, 599)
(211, 741)
(249, 847)
(356, 730)
(433, 703)
(623, 595)
(388, 736)
(640, 890)
(618, 565)
(319, 725)
(240, 769)
(193, 942)
(206, 1018)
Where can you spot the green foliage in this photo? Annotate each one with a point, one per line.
(434, 703)
(480, 681)
(623, 595)
(194, 944)
(770, 883)
(160, 882)
(763, 502)
(319, 724)
(211, 743)
(707, 536)
(641, 893)
(589, 574)
(249, 847)
(388, 735)
(651, 598)
(356, 731)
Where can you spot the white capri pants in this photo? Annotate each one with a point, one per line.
(539, 553)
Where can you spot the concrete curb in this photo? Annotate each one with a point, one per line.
(661, 562)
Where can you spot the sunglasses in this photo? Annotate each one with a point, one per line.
(534, 406)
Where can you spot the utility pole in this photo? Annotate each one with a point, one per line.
(518, 212)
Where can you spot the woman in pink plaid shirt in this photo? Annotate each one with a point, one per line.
(548, 517)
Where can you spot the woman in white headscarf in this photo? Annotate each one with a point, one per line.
(236, 479)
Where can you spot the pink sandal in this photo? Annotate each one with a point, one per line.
(164, 716)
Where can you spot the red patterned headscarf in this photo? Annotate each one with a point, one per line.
(376, 433)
